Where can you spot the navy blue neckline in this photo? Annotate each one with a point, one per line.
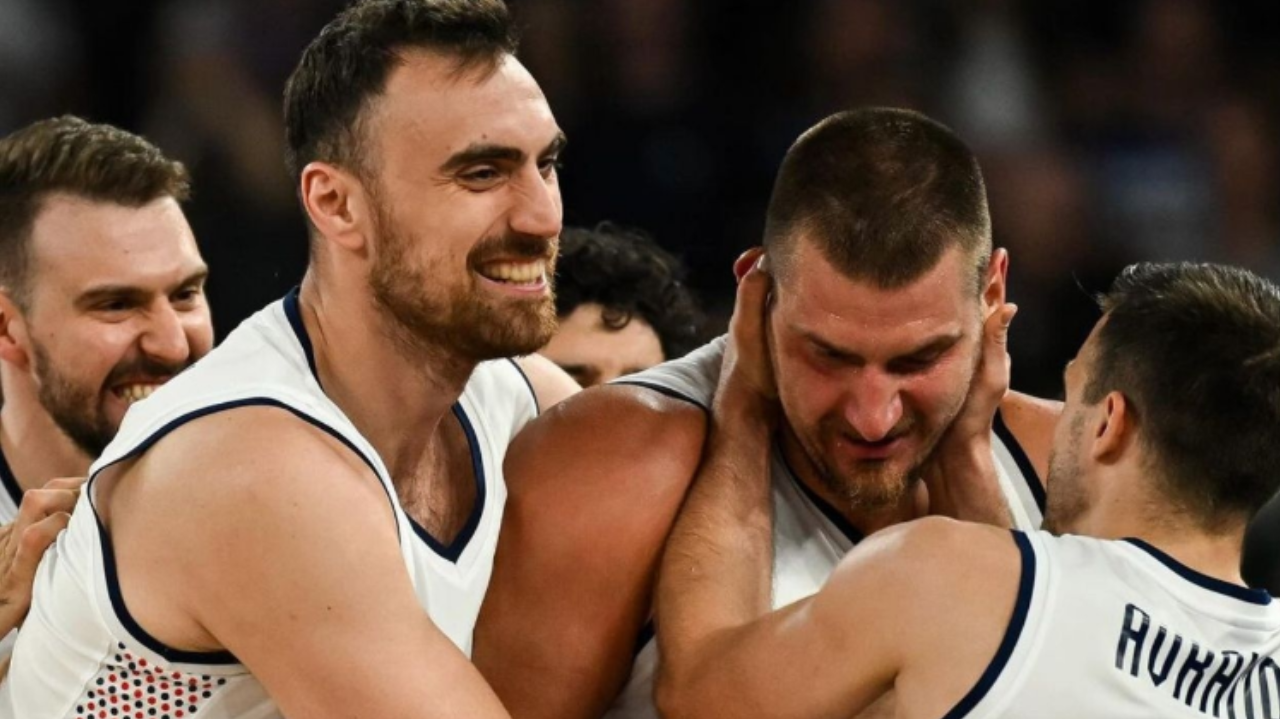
(852, 533)
(1235, 591)
(10, 481)
(454, 549)
(294, 313)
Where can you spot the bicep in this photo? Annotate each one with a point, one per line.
(829, 655)
(296, 569)
(591, 503)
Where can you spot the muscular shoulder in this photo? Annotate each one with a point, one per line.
(931, 568)
(618, 435)
(260, 454)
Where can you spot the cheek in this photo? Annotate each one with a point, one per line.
(806, 394)
(941, 391)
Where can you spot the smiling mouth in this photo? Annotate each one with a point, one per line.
(516, 274)
(132, 393)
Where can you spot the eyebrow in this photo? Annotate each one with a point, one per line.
(938, 343)
(479, 152)
(97, 294)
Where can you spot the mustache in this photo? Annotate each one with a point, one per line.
(515, 246)
(146, 368)
(903, 428)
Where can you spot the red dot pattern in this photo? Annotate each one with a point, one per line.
(132, 688)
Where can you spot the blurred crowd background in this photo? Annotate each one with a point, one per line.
(1109, 130)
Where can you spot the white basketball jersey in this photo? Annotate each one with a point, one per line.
(810, 537)
(1118, 629)
(10, 498)
(81, 654)
(10, 492)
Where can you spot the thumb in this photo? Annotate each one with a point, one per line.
(998, 329)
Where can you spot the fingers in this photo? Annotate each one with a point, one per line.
(32, 544)
(749, 346)
(40, 503)
(65, 483)
(746, 261)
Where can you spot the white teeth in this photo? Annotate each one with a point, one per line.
(525, 273)
(136, 392)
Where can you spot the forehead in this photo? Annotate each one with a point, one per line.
(77, 242)
(430, 111)
(817, 298)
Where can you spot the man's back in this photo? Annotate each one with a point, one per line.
(84, 649)
(1118, 628)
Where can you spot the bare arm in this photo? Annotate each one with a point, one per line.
(904, 610)
(594, 486)
(1031, 420)
(284, 552)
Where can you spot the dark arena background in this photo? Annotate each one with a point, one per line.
(1109, 131)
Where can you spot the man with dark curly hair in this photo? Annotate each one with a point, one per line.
(622, 303)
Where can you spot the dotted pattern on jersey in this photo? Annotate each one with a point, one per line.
(132, 688)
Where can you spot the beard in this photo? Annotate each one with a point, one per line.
(1065, 501)
(470, 325)
(870, 485)
(77, 408)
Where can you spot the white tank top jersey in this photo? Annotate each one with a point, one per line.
(809, 536)
(1118, 629)
(10, 492)
(10, 498)
(81, 654)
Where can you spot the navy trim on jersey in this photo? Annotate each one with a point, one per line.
(108, 552)
(831, 513)
(674, 394)
(9, 481)
(1011, 635)
(1245, 594)
(459, 543)
(647, 633)
(294, 314)
(1020, 458)
(532, 393)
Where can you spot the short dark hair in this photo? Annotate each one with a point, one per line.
(67, 154)
(630, 276)
(883, 193)
(349, 61)
(1195, 348)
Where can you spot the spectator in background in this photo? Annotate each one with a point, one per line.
(622, 304)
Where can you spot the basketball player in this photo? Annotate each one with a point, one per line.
(879, 230)
(622, 304)
(1166, 448)
(263, 536)
(101, 301)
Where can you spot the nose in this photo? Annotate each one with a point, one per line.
(164, 339)
(538, 211)
(873, 407)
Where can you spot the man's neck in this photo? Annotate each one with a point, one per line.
(1215, 554)
(865, 519)
(395, 396)
(35, 449)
